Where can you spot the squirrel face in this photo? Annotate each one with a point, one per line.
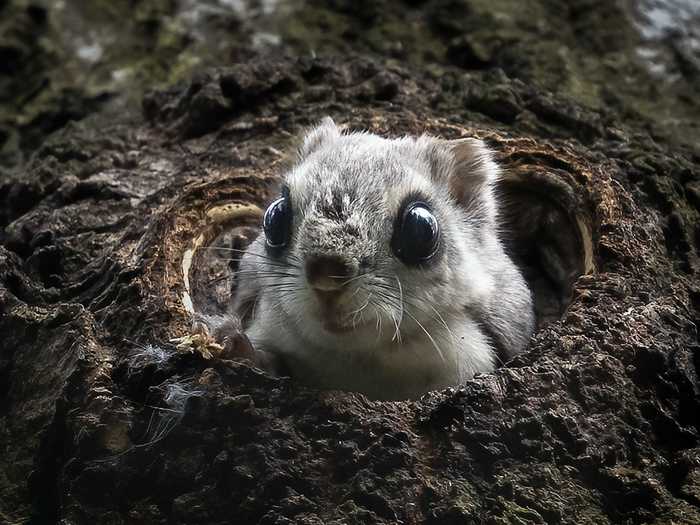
(385, 246)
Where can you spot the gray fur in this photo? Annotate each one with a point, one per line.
(454, 316)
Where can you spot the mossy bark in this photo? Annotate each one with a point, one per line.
(105, 419)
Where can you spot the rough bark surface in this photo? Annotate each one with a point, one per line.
(104, 419)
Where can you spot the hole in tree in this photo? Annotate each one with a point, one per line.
(547, 233)
(546, 225)
(546, 230)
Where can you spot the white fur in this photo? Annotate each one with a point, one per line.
(413, 329)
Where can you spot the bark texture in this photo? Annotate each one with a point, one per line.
(114, 411)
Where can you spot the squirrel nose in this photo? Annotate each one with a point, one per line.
(328, 272)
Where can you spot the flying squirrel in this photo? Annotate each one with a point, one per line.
(379, 268)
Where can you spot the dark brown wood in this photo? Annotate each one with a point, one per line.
(114, 410)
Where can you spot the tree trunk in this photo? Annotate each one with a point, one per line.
(115, 411)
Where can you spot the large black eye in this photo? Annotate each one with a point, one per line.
(416, 234)
(277, 223)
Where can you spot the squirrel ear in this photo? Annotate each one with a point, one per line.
(467, 167)
(474, 169)
(324, 132)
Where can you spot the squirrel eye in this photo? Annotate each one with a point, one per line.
(416, 234)
(277, 223)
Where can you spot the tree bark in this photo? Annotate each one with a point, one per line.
(114, 411)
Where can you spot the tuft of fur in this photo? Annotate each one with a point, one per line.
(409, 329)
(144, 355)
(165, 419)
